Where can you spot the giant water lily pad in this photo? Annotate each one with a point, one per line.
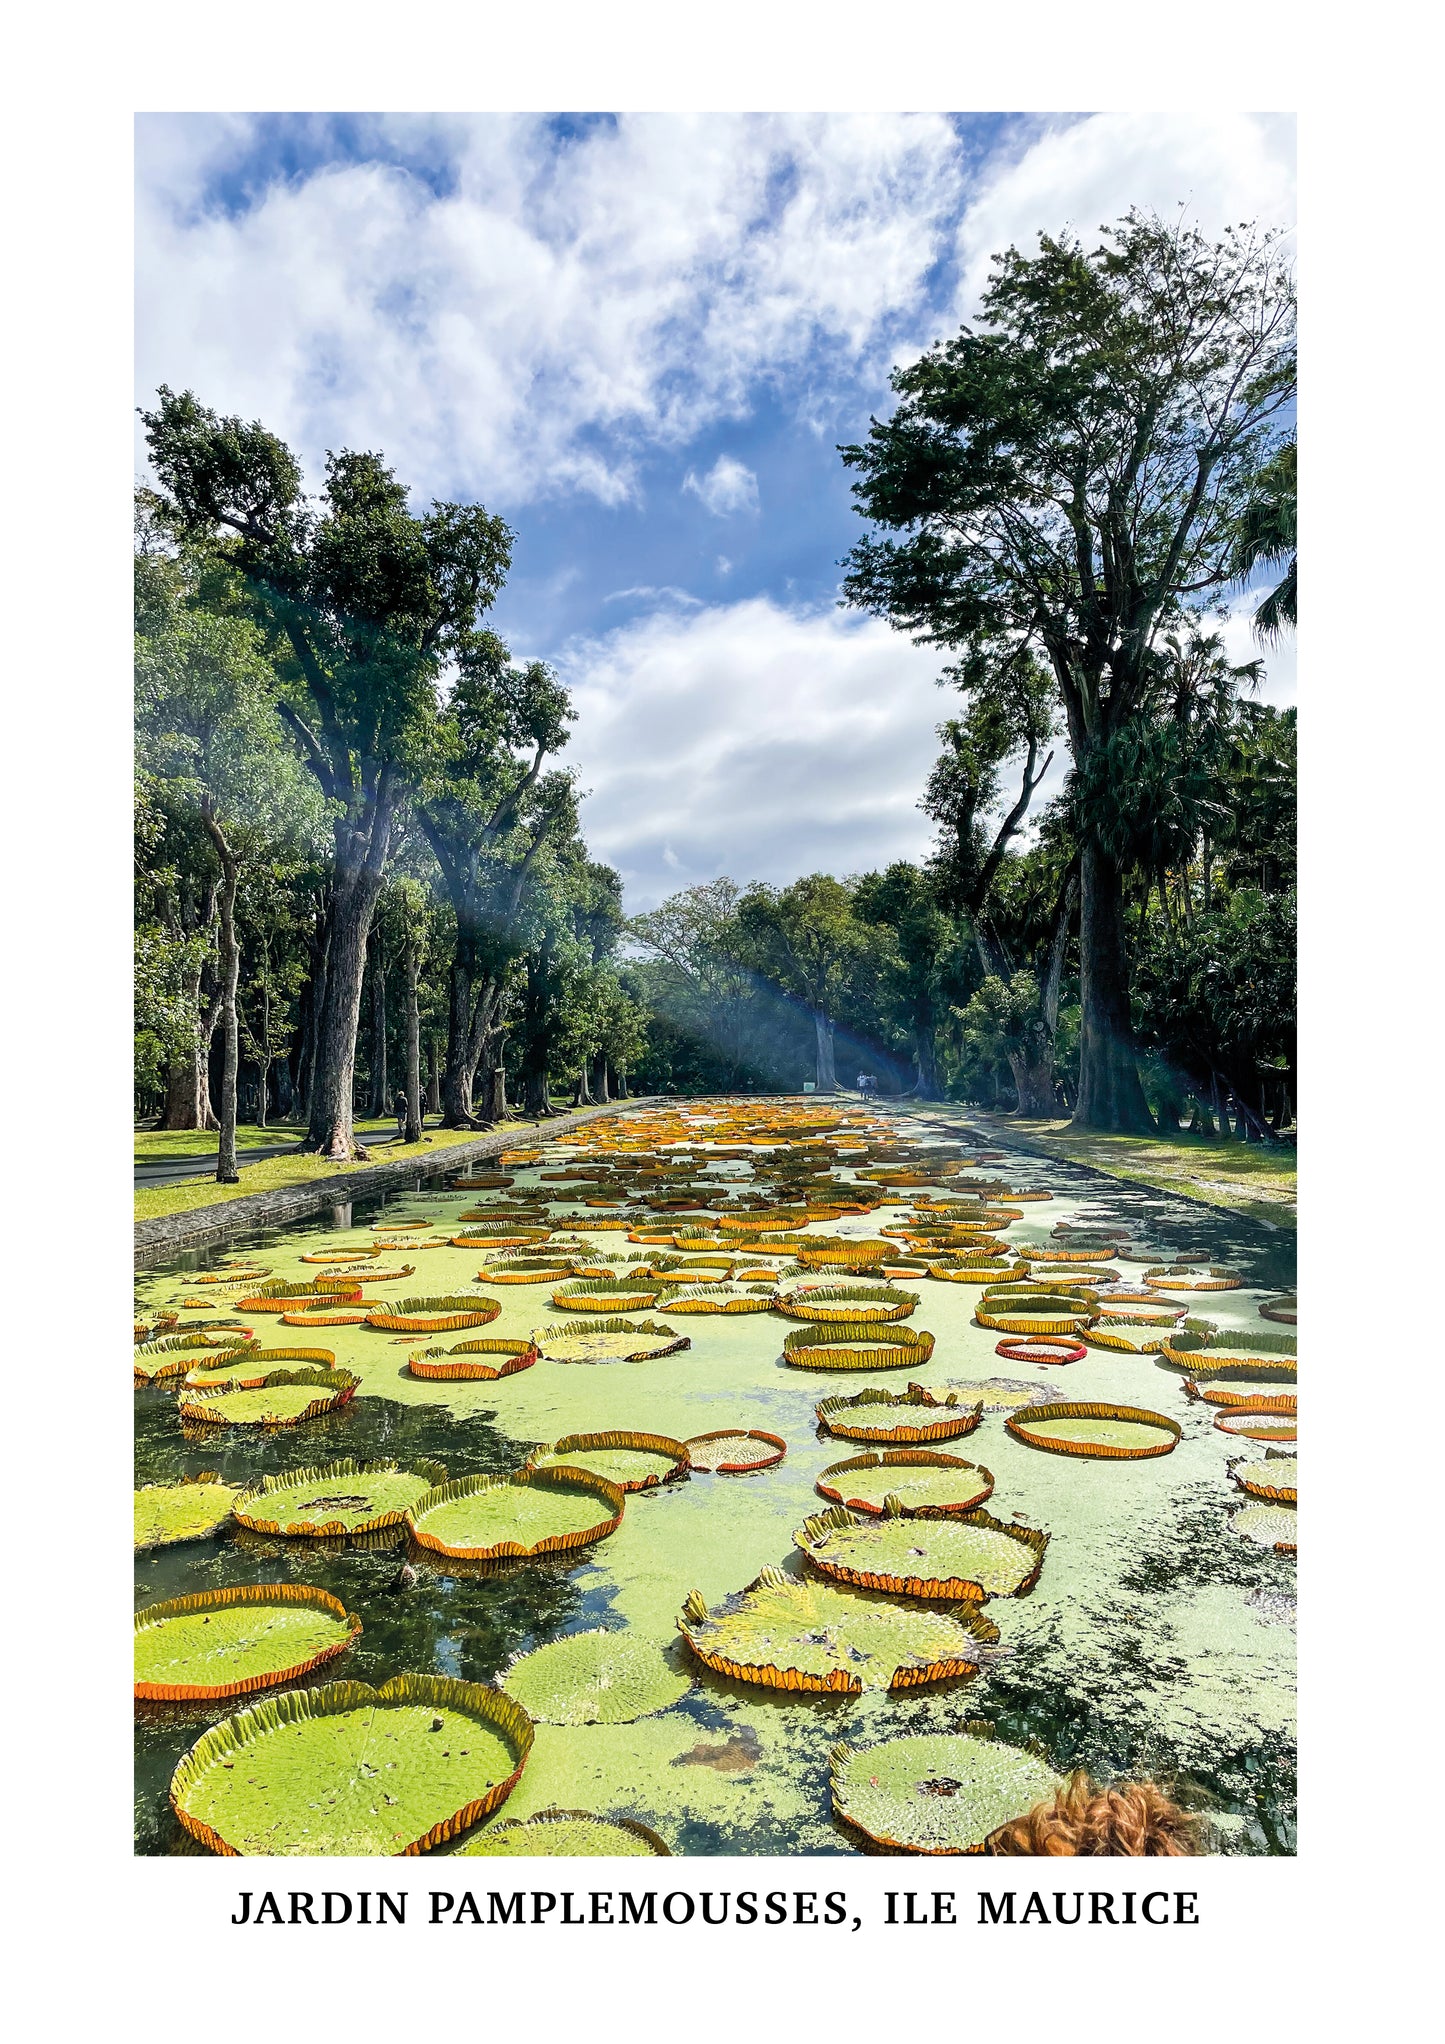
(608, 1341)
(1264, 1424)
(919, 1479)
(249, 1366)
(1268, 1526)
(938, 1793)
(337, 1498)
(735, 1453)
(594, 1678)
(899, 1418)
(285, 1399)
(1275, 1479)
(632, 1461)
(482, 1360)
(168, 1512)
(998, 1394)
(488, 1518)
(1107, 1432)
(565, 1834)
(857, 1345)
(348, 1769)
(972, 1556)
(230, 1642)
(795, 1633)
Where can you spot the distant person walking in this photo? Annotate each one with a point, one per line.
(399, 1108)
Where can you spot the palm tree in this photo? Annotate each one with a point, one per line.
(1267, 535)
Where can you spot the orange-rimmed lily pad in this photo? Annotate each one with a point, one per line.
(351, 1770)
(969, 1557)
(734, 1452)
(923, 1481)
(223, 1643)
(506, 1518)
(1119, 1433)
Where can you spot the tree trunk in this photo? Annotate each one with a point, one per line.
(536, 1093)
(413, 1044)
(456, 1080)
(601, 1093)
(827, 1074)
(1110, 1096)
(584, 1091)
(182, 1108)
(332, 1127)
(925, 1056)
(380, 1104)
(433, 1077)
(494, 1092)
(1033, 1076)
(227, 1169)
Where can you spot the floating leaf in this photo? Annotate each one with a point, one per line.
(1107, 1432)
(972, 1556)
(937, 1793)
(1267, 1525)
(490, 1518)
(734, 1453)
(565, 1834)
(351, 1770)
(920, 1479)
(899, 1418)
(230, 1642)
(336, 1498)
(632, 1461)
(787, 1632)
(594, 1678)
(608, 1341)
(169, 1512)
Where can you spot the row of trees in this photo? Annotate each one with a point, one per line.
(894, 973)
(357, 857)
(1064, 497)
(352, 846)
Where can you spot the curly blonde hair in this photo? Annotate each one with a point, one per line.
(1136, 1819)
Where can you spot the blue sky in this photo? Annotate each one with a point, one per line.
(640, 338)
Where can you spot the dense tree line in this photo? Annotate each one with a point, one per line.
(358, 874)
(360, 871)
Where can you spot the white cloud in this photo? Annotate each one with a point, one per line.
(1225, 167)
(754, 740)
(500, 329)
(726, 489)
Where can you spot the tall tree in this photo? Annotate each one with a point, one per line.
(365, 606)
(1069, 475)
(487, 810)
(208, 730)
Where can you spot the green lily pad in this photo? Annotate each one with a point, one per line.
(608, 1341)
(938, 1793)
(348, 1769)
(735, 1453)
(899, 1418)
(337, 1498)
(921, 1481)
(1110, 1432)
(973, 1557)
(998, 1394)
(565, 1834)
(486, 1518)
(168, 1512)
(1267, 1525)
(1275, 1478)
(799, 1633)
(594, 1678)
(632, 1461)
(284, 1400)
(229, 1642)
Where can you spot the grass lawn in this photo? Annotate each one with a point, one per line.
(154, 1143)
(1248, 1178)
(270, 1174)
